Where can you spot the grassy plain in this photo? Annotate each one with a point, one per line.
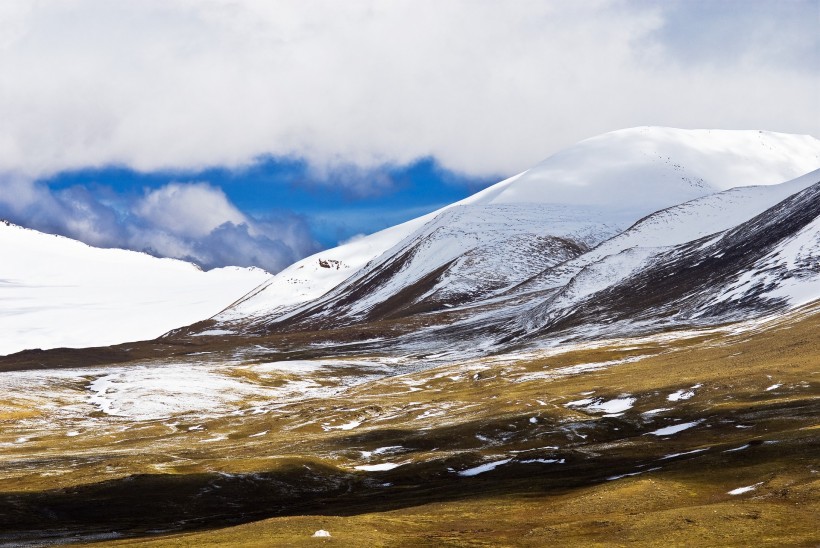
(268, 474)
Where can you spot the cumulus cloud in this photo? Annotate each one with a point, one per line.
(483, 87)
(190, 221)
(192, 209)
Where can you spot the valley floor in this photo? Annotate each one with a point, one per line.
(689, 438)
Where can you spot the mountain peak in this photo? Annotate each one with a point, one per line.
(644, 169)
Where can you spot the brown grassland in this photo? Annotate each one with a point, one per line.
(575, 476)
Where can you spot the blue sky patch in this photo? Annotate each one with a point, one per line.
(336, 205)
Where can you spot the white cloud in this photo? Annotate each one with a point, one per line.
(190, 221)
(190, 209)
(484, 87)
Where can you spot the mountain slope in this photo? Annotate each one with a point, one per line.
(650, 168)
(60, 292)
(464, 254)
(605, 184)
(767, 263)
(677, 225)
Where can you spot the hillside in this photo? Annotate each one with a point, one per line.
(693, 437)
(58, 292)
(767, 263)
(605, 183)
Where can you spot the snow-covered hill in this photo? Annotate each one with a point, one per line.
(641, 170)
(488, 242)
(669, 227)
(465, 253)
(57, 292)
(726, 257)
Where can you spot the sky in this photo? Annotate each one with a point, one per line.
(239, 132)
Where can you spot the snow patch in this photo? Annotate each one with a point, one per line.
(388, 449)
(741, 490)
(347, 426)
(599, 405)
(213, 332)
(377, 467)
(674, 429)
(656, 411)
(683, 394)
(620, 476)
(543, 461)
(483, 468)
(693, 452)
(146, 393)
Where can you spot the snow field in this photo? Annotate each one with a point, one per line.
(57, 292)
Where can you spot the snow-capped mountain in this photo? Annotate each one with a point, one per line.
(58, 292)
(584, 341)
(728, 256)
(465, 253)
(615, 258)
(528, 225)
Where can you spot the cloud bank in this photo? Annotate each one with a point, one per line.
(353, 89)
(190, 221)
(483, 87)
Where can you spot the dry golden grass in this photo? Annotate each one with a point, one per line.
(443, 418)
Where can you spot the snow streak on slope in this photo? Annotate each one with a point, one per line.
(626, 174)
(669, 227)
(58, 292)
(790, 271)
(769, 262)
(463, 254)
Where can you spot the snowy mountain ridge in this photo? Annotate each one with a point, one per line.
(768, 259)
(466, 245)
(532, 247)
(612, 180)
(678, 225)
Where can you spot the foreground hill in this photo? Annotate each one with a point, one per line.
(60, 292)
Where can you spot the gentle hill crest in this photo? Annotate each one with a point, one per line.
(63, 293)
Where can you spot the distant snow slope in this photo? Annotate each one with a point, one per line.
(668, 227)
(624, 175)
(645, 169)
(767, 259)
(463, 254)
(57, 292)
